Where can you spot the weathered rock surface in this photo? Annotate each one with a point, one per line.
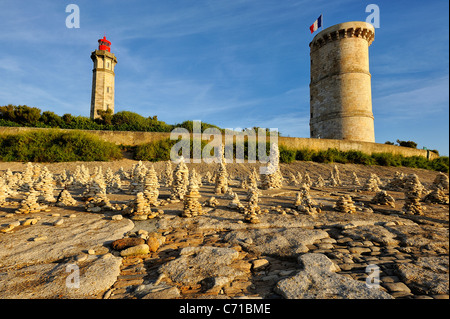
(318, 280)
(198, 263)
(276, 241)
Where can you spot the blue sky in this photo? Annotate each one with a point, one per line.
(233, 63)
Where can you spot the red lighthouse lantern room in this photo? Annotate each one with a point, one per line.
(104, 44)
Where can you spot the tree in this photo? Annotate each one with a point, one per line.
(410, 144)
(51, 119)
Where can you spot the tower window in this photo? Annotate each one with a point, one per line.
(107, 89)
(107, 64)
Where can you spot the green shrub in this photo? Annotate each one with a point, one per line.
(440, 164)
(287, 155)
(358, 157)
(387, 159)
(304, 155)
(56, 146)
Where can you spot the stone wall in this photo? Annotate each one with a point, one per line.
(137, 138)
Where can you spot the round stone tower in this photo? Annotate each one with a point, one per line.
(340, 88)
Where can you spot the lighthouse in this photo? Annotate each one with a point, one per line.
(103, 78)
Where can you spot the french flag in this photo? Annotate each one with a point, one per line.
(316, 25)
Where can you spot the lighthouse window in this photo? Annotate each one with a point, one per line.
(107, 64)
(107, 89)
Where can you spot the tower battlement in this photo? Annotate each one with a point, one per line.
(340, 87)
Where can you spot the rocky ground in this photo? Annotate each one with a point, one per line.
(217, 255)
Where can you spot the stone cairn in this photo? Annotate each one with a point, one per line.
(30, 204)
(4, 191)
(345, 205)
(139, 208)
(151, 186)
(436, 196)
(180, 181)
(45, 185)
(252, 210)
(372, 183)
(320, 182)
(80, 177)
(236, 203)
(355, 180)
(441, 181)
(272, 177)
(211, 202)
(208, 178)
(221, 182)
(335, 179)
(96, 186)
(304, 203)
(98, 203)
(65, 199)
(307, 180)
(192, 206)
(383, 198)
(292, 180)
(397, 183)
(413, 193)
(167, 176)
(137, 175)
(26, 182)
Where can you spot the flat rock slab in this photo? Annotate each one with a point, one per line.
(61, 280)
(427, 275)
(318, 280)
(199, 263)
(374, 233)
(283, 242)
(31, 268)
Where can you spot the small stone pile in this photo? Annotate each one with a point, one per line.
(304, 203)
(413, 193)
(211, 202)
(65, 199)
(292, 180)
(441, 181)
(372, 183)
(221, 184)
(80, 177)
(320, 182)
(355, 180)
(272, 177)
(397, 183)
(236, 203)
(139, 209)
(114, 185)
(26, 182)
(45, 185)
(151, 186)
(98, 203)
(167, 175)
(383, 198)
(4, 191)
(436, 196)
(95, 186)
(345, 205)
(30, 204)
(252, 210)
(335, 179)
(180, 181)
(192, 206)
(208, 178)
(307, 180)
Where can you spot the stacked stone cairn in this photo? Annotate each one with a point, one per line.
(98, 203)
(383, 198)
(221, 184)
(65, 199)
(307, 180)
(180, 181)
(438, 189)
(30, 204)
(4, 191)
(137, 175)
(26, 182)
(292, 180)
(345, 205)
(272, 177)
(151, 186)
(167, 175)
(252, 209)
(355, 180)
(236, 203)
(208, 178)
(45, 185)
(335, 179)
(96, 186)
(441, 181)
(372, 183)
(320, 182)
(192, 206)
(139, 208)
(211, 202)
(397, 183)
(413, 193)
(304, 203)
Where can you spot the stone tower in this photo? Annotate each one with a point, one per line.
(340, 88)
(103, 78)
